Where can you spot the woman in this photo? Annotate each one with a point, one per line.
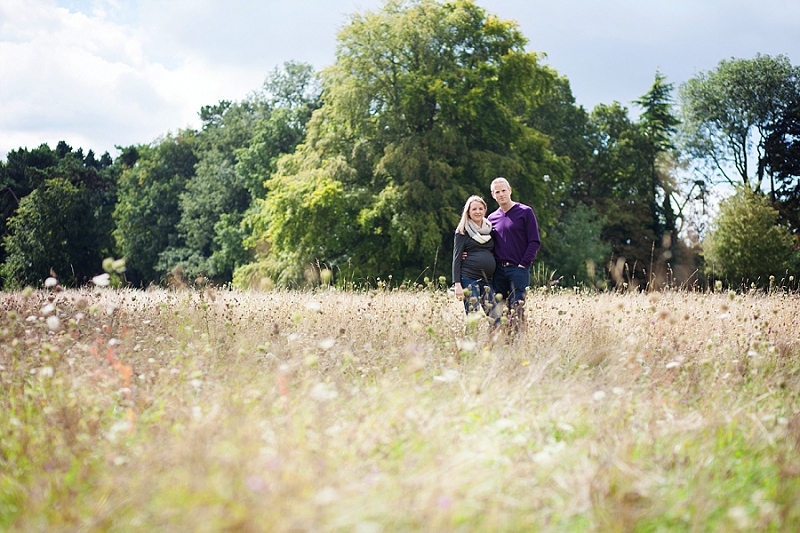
(472, 276)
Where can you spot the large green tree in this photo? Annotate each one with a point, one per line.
(42, 188)
(236, 151)
(658, 124)
(729, 114)
(783, 164)
(147, 213)
(425, 104)
(58, 229)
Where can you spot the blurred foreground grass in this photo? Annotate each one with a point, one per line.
(384, 411)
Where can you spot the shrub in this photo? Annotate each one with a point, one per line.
(745, 243)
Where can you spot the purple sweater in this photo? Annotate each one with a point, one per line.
(515, 234)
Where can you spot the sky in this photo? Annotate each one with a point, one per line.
(105, 73)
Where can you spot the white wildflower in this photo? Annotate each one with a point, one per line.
(599, 395)
(102, 280)
(53, 323)
(447, 376)
(326, 344)
(323, 393)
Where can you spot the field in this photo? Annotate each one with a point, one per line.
(384, 410)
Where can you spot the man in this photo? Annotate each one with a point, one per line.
(516, 236)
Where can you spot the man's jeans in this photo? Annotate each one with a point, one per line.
(512, 282)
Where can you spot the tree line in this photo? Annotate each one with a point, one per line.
(363, 168)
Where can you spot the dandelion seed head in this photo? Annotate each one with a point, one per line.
(322, 392)
(47, 309)
(50, 282)
(598, 396)
(327, 344)
(53, 323)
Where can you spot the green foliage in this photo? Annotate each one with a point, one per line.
(730, 111)
(783, 164)
(575, 249)
(147, 213)
(236, 150)
(745, 245)
(26, 170)
(56, 229)
(424, 106)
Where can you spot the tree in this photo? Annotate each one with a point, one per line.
(28, 171)
(424, 105)
(56, 229)
(16, 181)
(658, 125)
(575, 249)
(730, 113)
(147, 213)
(236, 149)
(783, 163)
(745, 245)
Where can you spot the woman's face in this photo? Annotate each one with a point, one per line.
(476, 212)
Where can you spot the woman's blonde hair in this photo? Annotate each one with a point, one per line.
(462, 225)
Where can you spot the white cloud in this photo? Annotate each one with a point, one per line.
(99, 73)
(86, 79)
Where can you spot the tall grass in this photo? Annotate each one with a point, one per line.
(384, 410)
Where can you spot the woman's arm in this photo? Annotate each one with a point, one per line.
(458, 247)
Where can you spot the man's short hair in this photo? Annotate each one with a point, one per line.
(499, 179)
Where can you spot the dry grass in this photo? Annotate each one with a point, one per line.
(384, 411)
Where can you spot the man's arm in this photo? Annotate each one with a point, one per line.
(532, 237)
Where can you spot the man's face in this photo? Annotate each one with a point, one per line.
(501, 193)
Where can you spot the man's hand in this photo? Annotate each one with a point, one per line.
(463, 255)
(459, 291)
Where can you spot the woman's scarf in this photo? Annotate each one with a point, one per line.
(480, 233)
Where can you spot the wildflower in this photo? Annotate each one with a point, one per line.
(447, 376)
(102, 280)
(48, 309)
(323, 393)
(465, 345)
(53, 323)
(327, 344)
(50, 282)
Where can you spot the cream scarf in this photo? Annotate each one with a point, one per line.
(480, 233)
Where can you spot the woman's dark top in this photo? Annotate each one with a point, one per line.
(479, 263)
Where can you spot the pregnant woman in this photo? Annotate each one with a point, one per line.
(472, 275)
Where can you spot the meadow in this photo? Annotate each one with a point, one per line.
(386, 410)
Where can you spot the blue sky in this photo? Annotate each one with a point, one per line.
(100, 73)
